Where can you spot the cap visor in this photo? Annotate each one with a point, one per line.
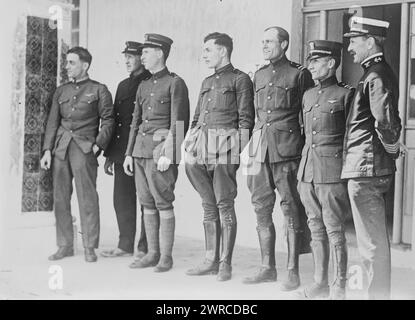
(353, 34)
(316, 56)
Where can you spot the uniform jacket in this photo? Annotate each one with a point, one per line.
(224, 114)
(325, 109)
(124, 103)
(161, 117)
(279, 88)
(76, 112)
(373, 124)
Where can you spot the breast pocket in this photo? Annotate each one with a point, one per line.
(162, 106)
(289, 140)
(226, 98)
(281, 99)
(333, 119)
(88, 105)
(308, 117)
(260, 96)
(63, 105)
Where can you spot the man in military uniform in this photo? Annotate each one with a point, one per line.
(371, 146)
(275, 147)
(125, 197)
(160, 121)
(224, 114)
(322, 192)
(75, 141)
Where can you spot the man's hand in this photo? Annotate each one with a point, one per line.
(96, 150)
(108, 167)
(46, 160)
(163, 164)
(128, 166)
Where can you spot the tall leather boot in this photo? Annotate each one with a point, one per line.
(142, 241)
(267, 272)
(167, 226)
(228, 242)
(293, 279)
(338, 289)
(152, 224)
(212, 239)
(320, 287)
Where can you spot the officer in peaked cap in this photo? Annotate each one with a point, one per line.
(370, 148)
(125, 197)
(322, 192)
(153, 149)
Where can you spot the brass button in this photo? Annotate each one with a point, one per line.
(217, 77)
(319, 92)
(268, 124)
(316, 105)
(144, 134)
(331, 111)
(209, 99)
(118, 113)
(204, 123)
(270, 84)
(273, 71)
(269, 111)
(314, 132)
(206, 111)
(314, 118)
(118, 137)
(149, 108)
(146, 121)
(213, 88)
(151, 94)
(269, 97)
(120, 125)
(313, 145)
(291, 130)
(155, 81)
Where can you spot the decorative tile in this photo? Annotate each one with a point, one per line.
(29, 202)
(30, 182)
(45, 181)
(41, 75)
(45, 201)
(32, 143)
(31, 163)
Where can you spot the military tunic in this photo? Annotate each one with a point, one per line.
(277, 140)
(160, 122)
(124, 195)
(72, 129)
(323, 193)
(224, 113)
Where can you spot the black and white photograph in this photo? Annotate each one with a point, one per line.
(207, 155)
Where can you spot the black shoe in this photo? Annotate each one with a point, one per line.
(90, 255)
(225, 272)
(263, 275)
(62, 253)
(151, 259)
(316, 290)
(206, 268)
(292, 282)
(165, 264)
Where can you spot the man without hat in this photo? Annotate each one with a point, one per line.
(322, 192)
(124, 196)
(275, 147)
(224, 111)
(160, 121)
(75, 138)
(371, 146)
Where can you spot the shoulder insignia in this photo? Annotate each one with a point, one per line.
(344, 85)
(297, 65)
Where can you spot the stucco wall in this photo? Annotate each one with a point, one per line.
(111, 23)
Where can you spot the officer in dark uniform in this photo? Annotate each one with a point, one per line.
(125, 198)
(74, 139)
(371, 146)
(275, 148)
(224, 111)
(160, 122)
(322, 192)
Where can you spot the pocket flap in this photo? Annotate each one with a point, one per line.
(332, 108)
(227, 89)
(330, 151)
